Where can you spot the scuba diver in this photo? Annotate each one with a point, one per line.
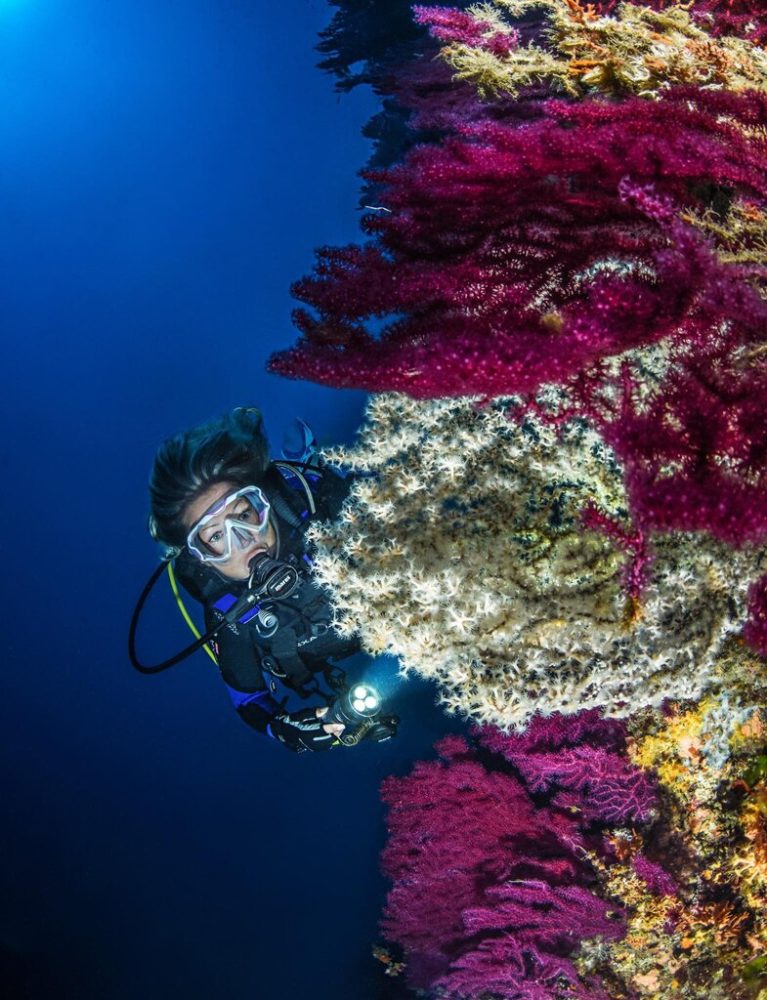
(233, 524)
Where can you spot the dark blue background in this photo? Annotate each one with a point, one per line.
(166, 169)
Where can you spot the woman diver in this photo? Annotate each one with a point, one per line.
(233, 523)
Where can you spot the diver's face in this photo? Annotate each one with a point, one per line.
(236, 566)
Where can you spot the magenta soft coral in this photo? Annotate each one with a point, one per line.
(755, 632)
(696, 456)
(448, 24)
(497, 259)
(745, 18)
(483, 256)
(655, 877)
(580, 760)
(487, 851)
(696, 452)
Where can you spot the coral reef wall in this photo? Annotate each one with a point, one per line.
(550, 865)
(586, 276)
(514, 843)
(536, 241)
(559, 511)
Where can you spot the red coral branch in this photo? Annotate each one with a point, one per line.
(515, 255)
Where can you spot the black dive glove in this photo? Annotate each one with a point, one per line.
(301, 730)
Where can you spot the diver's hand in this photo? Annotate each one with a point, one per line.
(304, 730)
(336, 728)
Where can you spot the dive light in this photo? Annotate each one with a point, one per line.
(358, 710)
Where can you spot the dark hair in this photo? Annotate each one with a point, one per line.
(232, 449)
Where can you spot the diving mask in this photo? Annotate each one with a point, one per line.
(231, 523)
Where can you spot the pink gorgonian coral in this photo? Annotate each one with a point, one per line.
(516, 255)
(513, 255)
(655, 877)
(579, 760)
(492, 887)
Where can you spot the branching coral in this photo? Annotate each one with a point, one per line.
(744, 17)
(581, 757)
(524, 256)
(492, 890)
(462, 550)
(585, 527)
(516, 255)
(639, 50)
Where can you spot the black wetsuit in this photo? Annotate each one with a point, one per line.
(252, 656)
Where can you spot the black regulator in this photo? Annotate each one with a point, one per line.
(270, 580)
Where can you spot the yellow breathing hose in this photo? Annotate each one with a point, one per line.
(185, 614)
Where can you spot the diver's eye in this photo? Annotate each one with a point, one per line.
(215, 537)
(246, 514)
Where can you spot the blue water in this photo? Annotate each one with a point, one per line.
(166, 169)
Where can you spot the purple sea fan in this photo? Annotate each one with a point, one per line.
(696, 454)
(549, 733)
(492, 890)
(634, 543)
(527, 927)
(581, 759)
(695, 451)
(746, 18)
